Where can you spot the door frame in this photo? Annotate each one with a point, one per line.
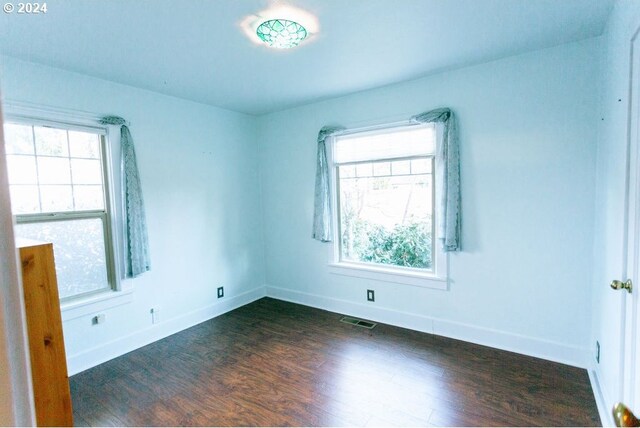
(630, 328)
(17, 407)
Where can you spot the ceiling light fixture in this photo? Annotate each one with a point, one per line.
(281, 33)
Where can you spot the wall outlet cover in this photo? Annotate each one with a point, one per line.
(98, 319)
(155, 315)
(220, 292)
(371, 296)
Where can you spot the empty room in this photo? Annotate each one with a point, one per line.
(320, 213)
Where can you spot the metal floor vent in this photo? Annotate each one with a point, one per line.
(359, 323)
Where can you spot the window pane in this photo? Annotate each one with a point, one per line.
(401, 167)
(19, 139)
(56, 198)
(399, 143)
(51, 141)
(88, 197)
(86, 171)
(79, 252)
(25, 199)
(22, 169)
(364, 170)
(54, 170)
(84, 145)
(421, 166)
(381, 168)
(387, 219)
(348, 171)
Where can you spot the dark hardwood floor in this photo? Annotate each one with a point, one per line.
(273, 363)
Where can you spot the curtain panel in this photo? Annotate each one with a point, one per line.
(448, 186)
(136, 239)
(322, 213)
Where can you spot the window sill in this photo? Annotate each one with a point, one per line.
(416, 279)
(77, 308)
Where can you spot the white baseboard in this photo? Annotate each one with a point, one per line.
(386, 316)
(107, 351)
(604, 406)
(535, 347)
(496, 339)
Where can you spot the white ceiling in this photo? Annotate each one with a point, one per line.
(197, 49)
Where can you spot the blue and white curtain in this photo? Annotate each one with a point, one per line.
(137, 241)
(448, 183)
(322, 213)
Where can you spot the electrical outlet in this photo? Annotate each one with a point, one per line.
(98, 319)
(597, 352)
(371, 296)
(155, 315)
(220, 292)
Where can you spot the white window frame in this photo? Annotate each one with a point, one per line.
(120, 291)
(437, 278)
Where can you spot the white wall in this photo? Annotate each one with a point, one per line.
(198, 167)
(528, 142)
(528, 133)
(610, 195)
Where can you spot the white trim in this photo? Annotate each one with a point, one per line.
(76, 308)
(631, 244)
(34, 114)
(71, 125)
(113, 160)
(56, 114)
(527, 345)
(606, 418)
(387, 316)
(398, 276)
(92, 357)
(437, 279)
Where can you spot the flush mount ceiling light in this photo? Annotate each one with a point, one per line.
(281, 33)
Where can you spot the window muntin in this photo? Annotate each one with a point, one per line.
(385, 198)
(54, 170)
(59, 193)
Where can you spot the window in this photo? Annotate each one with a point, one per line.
(385, 201)
(59, 193)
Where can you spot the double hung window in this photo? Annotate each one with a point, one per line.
(386, 202)
(58, 179)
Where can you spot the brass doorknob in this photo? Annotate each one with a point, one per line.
(619, 285)
(623, 417)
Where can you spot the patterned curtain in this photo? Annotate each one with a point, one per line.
(322, 203)
(448, 187)
(137, 242)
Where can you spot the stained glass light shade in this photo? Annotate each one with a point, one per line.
(281, 33)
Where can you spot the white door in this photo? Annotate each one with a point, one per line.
(631, 328)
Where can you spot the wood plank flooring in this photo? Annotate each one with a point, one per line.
(273, 363)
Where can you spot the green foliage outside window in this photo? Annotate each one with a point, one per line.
(407, 245)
